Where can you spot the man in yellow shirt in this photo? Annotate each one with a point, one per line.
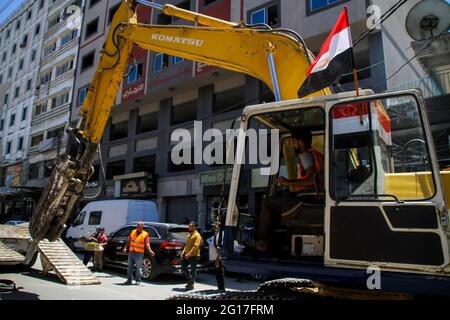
(191, 255)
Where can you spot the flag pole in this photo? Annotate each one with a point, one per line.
(355, 73)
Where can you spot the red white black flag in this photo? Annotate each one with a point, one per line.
(334, 60)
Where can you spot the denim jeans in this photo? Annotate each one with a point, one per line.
(135, 259)
(191, 274)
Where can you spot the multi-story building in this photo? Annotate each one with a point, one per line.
(163, 93)
(20, 48)
(54, 89)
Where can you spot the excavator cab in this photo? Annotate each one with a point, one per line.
(379, 201)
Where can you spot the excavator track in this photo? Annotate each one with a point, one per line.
(289, 289)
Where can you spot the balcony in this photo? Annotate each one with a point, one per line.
(50, 59)
(431, 86)
(51, 144)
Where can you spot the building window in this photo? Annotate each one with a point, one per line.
(87, 61)
(28, 84)
(208, 2)
(13, 50)
(8, 147)
(112, 12)
(65, 67)
(93, 3)
(55, 133)
(163, 19)
(60, 100)
(33, 171)
(269, 14)
(8, 33)
(53, 22)
(228, 100)
(20, 64)
(68, 37)
(118, 130)
(33, 55)
(24, 42)
(24, 114)
(20, 145)
(40, 108)
(147, 122)
(36, 140)
(16, 92)
(136, 73)
(184, 112)
(317, 5)
(5, 101)
(45, 78)
(48, 167)
(160, 61)
(37, 29)
(48, 50)
(172, 167)
(41, 4)
(18, 25)
(12, 119)
(116, 168)
(4, 56)
(29, 14)
(91, 28)
(176, 60)
(82, 92)
(2, 124)
(144, 164)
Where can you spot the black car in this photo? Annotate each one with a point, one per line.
(166, 240)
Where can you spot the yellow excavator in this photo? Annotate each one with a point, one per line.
(382, 207)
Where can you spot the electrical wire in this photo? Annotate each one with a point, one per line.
(383, 18)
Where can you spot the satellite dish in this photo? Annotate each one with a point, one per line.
(427, 19)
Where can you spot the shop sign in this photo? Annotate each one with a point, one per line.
(211, 178)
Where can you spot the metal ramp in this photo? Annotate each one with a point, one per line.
(9, 256)
(57, 257)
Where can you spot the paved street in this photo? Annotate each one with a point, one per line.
(34, 286)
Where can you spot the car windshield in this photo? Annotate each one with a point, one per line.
(179, 234)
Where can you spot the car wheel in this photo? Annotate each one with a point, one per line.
(148, 269)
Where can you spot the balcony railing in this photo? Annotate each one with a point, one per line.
(51, 144)
(432, 86)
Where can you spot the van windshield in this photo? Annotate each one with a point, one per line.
(179, 234)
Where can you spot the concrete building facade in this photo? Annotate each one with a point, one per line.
(21, 38)
(54, 90)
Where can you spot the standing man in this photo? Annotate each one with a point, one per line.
(191, 255)
(215, 244)
(136, 244)
(102, 240)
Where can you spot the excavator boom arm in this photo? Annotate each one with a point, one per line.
(223, 44)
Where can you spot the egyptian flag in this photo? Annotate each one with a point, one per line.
(334, 60)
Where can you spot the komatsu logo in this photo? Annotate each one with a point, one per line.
(188, 41)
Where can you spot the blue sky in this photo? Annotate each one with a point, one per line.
(7, 7)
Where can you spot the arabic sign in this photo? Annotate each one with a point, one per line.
(215, 177)
(138, 187)
(133, 92)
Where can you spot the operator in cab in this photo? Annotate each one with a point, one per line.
(287, 203)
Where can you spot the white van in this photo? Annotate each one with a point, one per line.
(110, 214)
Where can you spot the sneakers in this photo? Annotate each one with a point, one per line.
(127, 283)
(138, 283)
(294, 212)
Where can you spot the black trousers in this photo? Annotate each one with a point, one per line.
(191, 273)
(220, 275)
